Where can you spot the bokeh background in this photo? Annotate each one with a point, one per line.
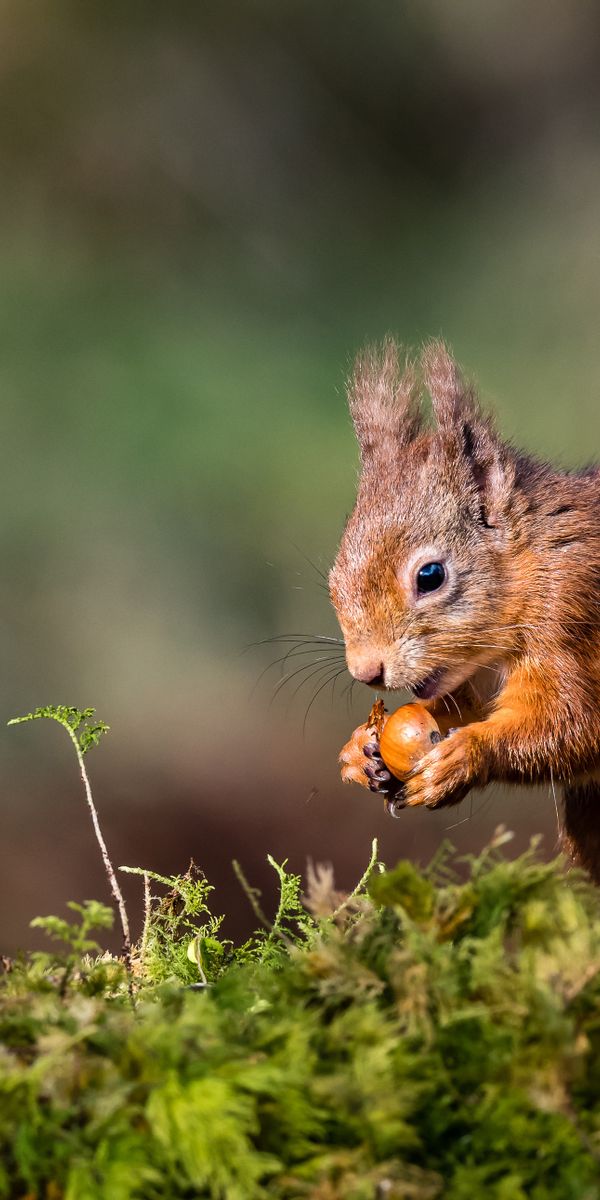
(205, 210)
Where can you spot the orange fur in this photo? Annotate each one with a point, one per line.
(514, 633)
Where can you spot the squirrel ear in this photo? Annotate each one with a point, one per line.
(459, 417)
(492, 469)
(452, 399)
(384, 401)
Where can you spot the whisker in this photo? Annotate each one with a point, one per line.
(335, 679)
(498, 630)
(493, 646)
(460, 647)
(518, 625)
(327, 674)
(409, 626)
(301, 637)
(347, 692)
(477, 812)
(521, 625)
(293, 637)
(325, 666)
(294, 652)
(485, 667)
(317, 637)
(326, 655)
(457, 823)
(292, 674)
(559, 830)
(317, 693)
(324, 674)
(310, 563)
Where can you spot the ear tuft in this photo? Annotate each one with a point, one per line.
(453, 400)
(383, 396)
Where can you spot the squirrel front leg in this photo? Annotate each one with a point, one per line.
(530, 735)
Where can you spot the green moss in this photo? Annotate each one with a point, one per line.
(439, 1040)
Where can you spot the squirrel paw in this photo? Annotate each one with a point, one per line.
(445, 775)
(361, 762)
(352, 758)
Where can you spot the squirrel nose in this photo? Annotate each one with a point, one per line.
(370, 672)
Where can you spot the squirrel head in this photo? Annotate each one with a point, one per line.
(423, 567)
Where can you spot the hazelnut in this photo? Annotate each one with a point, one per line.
(407, 736)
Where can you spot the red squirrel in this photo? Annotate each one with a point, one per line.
(469, 573)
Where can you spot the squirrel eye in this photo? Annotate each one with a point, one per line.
(430, 577)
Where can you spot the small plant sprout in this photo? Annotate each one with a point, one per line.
(85, 732)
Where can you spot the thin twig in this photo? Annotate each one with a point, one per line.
(362, 883)
(252, 894)
(64, 716)
(147, 919)
(112, 879)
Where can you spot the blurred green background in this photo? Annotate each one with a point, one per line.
(205, 211)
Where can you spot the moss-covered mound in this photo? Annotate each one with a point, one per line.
(428, 1037)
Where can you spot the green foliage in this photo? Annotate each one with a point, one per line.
(181, 942)
(92, 915)
(438, 1037)
(77, 721)
(291, 921)
(92, 975)
(404, 886)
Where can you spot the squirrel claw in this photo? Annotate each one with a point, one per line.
(371, 750)
(395, 806)
(378, 772)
